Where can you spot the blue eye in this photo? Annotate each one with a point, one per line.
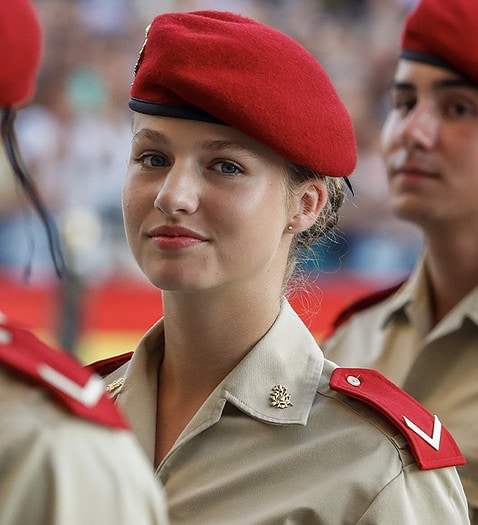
(153, 160)
(227, 167)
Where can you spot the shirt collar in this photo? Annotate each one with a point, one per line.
(467, 308)
(286, 359)
(138, 394)
(287, 356)
(411, 299)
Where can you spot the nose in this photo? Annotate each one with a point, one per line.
(421, 128)
(179, 192)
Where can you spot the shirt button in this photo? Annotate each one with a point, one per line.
(354, 381)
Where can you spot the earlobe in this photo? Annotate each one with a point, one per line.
(313, 196)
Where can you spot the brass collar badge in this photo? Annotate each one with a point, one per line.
(280, 397)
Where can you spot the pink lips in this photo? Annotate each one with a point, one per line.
(175, 238)
(413, 174)
(414, 170)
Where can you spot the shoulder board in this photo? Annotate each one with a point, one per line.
(68, 383)
(431, 444)
(362, 304)
(104, 367)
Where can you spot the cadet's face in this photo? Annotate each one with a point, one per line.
(204, 205)
(430, 146)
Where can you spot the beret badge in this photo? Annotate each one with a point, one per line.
(141, 51)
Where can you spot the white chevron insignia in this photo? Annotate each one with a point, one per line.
(434, 439)
(88, 394)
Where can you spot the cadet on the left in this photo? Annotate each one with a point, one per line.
(60, 434)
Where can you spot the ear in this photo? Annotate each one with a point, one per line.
(311, 198)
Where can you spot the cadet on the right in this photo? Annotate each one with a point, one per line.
(424, 335)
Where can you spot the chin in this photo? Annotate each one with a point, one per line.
(409, 213)
(407, 205)
(174, 283)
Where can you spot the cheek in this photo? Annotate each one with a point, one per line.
(388, 135)
(463, 142)
(264, 218)
(126, 202)
(134, 203)
(460, 156)
(260, 209)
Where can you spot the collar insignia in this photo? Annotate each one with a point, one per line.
(280, 397)
(114, 386)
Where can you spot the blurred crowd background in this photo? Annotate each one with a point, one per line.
(75, 135)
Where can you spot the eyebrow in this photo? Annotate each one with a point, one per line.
(151, 134)
(448, 83)
(219, 145)
(211, 145)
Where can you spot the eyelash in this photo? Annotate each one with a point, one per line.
(403, 104)
(143, 158)
(217, 165)
(449, 108)
(238, 169)
(460, 109)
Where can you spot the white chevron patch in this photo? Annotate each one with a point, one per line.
(88, 395)
(434, 439)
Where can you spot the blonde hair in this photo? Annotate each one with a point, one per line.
(326, 220)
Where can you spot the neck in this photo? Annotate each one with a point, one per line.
(205, 338)
(452, 267)
(213, 330)
(207, 332)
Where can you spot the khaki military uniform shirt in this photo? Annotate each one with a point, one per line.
(322, 459)
(438, 366)
(59, 469)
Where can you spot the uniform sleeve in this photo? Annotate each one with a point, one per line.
(57, 469)
(420, 497)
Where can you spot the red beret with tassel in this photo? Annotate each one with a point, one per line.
(224, 68)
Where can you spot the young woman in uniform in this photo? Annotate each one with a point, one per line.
(240, 145)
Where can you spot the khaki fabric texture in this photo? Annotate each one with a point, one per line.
(56, 469)
(327, 459)
(438, 366)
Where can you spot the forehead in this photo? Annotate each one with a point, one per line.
(183, 131)
(415, 75)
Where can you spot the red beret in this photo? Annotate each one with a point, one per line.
(20, 44)
(443, 33)
(224, 68)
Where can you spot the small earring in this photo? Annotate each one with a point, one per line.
(290, 227)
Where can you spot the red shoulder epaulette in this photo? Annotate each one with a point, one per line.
(103, 367)
(67, 382)
(430, 442)
(361, 304)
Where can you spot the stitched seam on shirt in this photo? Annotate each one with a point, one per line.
(400, 445)
(364, 514)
